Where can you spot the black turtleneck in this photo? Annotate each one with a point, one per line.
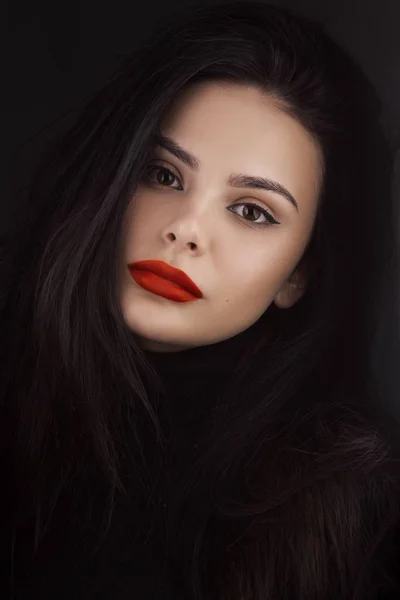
(130, 561)
(198, 373)
(193, 380)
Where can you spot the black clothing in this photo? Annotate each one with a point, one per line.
(73, 561)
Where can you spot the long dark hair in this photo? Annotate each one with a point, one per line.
(295, 484)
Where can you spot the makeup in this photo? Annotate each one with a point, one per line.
(160, 278)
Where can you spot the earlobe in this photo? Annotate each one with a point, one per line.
(292, 290)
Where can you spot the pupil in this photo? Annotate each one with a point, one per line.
(164, 175)
(249, 208)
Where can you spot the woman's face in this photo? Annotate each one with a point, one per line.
(193, 218)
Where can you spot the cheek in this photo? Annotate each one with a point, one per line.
(247, 288)
(250, 270)
(252, 277)
(242, 301)
(138, 224)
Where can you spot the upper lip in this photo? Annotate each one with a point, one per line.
(163, 269)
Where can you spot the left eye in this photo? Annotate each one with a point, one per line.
(250, 208)
(166, 176)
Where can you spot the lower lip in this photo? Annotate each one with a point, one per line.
(160, 286)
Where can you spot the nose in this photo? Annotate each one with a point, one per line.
(181, 242)
(189, 231)
(184, 237)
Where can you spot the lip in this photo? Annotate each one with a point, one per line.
(165, 280)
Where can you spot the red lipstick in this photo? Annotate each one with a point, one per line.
(163, 279)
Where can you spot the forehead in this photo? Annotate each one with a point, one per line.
(231, 127)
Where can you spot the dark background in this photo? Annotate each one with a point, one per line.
(55, 55)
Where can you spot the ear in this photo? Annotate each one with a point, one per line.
(293, 289)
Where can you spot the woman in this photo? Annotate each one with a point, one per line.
(188, 315)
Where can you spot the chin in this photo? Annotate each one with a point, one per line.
(157, 346)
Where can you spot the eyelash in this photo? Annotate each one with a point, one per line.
(270, 219)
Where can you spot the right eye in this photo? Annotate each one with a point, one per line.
(161, 176)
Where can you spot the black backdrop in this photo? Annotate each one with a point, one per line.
(55, 55)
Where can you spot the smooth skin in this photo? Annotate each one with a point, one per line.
(192, 218)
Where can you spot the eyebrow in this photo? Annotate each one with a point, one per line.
(238, 180)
